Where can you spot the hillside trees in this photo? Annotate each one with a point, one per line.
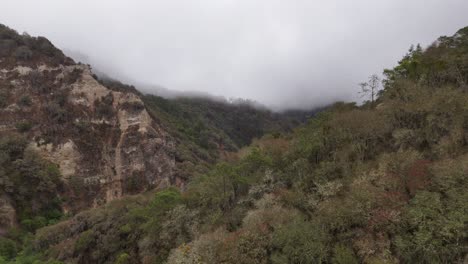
(32, 185)
(356, 184)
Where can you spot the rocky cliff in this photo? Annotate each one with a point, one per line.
(104, 141)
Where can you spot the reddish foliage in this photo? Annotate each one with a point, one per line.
(280, 192)
(388, 210)
(418, 176)
(232, 238)
(381, 217)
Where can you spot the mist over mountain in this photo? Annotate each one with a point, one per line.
(153, 89)
(294, 54)
(94, 171)
(234, 132)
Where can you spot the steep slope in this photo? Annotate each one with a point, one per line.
(104, 141)
(385, 182)
(206, 129)
(96, 140)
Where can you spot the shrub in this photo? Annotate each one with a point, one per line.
(123, 258)
(35, 223)
(25, 100)
(432, 232)
(104, 106)
(84, 241)
(23, 126)
(8, 248)
(12, 147)
(7, 46)
(300, 242)
(134, 106)
(45, 46)
(3, 98)
(23, 53)
(56, 112)
(343, 255)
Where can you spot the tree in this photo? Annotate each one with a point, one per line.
(371, 87)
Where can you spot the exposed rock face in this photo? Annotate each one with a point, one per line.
(104, 141)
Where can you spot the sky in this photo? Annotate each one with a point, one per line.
(281, 53)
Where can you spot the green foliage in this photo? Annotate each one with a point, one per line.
(22, 48)
(343, 255)
(35, 223)
(84, 241)
(131, 225)
(3, 98)
(123, 258)
(36, 203)
(380, 183)
(300, 242)
(166, 200)
(219, 190)
(23, 126)
(23, 53)
(206, 128)
(25, 101)
(20, 165)
(435, 220)
(8, 248)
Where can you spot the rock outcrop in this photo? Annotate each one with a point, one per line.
(103, 140)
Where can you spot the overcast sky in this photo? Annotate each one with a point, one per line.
(282, 53)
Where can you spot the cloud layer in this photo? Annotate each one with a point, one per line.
(284, 54)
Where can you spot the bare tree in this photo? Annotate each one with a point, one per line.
(371, 87)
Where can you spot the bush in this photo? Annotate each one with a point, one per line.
(343, 255)
(123, 258)
(84, 241)
(7, 46)
(36, 202)
(23, 126)
(25, 100)
(56, 112)
(133, 107)
(300, 242)
(23, 53)
(12, 148)
(432, 232)
(3, 99)
(34, 224)
(8, 248)
(104, 106)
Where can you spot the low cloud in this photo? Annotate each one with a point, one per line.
(284, 54)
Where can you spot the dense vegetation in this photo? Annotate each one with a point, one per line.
(385, 182)
(24, 49)
(205, 129)
(31, 186)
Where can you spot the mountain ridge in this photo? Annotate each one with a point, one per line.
(101, 134)
(381, 182)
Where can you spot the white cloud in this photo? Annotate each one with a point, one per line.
(282, 53)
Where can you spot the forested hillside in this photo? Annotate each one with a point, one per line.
(205, 129)
(71, 141)
(385, 182)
